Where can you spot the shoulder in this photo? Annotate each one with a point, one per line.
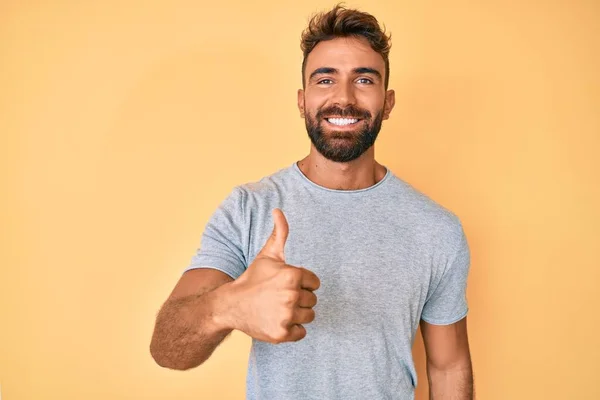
(428, 218)
(267, 188)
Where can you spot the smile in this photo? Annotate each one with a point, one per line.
(342, 121)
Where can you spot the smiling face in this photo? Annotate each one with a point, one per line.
(344, 100)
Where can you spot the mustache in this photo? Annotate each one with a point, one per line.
(348, 112)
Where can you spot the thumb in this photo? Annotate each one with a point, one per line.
(275, 245)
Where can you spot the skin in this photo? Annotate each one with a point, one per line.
(272, 300)
(449, 368)
(336, 77)
(343, 88)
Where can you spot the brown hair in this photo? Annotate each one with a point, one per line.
(344, 22)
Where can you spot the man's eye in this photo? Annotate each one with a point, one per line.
(365, 80)
(325, 81)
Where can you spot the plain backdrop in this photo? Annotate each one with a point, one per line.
(123, 124)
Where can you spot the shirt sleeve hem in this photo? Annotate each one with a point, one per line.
(445, 321)
(191, 267)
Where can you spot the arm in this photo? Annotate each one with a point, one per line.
(449, 366)
(269, 302)
(188, 327)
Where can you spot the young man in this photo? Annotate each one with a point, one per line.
(380, 256)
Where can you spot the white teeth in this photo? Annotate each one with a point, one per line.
(342, 121)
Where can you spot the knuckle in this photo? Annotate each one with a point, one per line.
(290, 276)
(301, 333)
(292, 297)
(287, 318)
(281, 335)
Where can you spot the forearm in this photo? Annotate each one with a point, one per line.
(455, 383)
(189, 329)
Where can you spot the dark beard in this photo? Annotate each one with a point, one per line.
(343, 146)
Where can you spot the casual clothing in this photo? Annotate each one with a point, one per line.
(387, 256)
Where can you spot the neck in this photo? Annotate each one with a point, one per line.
(357, 174)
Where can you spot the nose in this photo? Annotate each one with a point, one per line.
(344, 94)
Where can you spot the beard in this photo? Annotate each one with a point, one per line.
(343, 146)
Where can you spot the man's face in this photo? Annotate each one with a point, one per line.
(344, 101)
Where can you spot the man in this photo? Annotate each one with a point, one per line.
(381, 256)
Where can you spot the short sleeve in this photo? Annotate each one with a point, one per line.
(222, 243)
(448, 302)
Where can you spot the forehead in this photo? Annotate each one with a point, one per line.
(344, 53)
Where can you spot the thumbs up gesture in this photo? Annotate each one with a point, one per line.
(275, 298)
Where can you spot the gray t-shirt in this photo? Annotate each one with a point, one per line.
(387, 256)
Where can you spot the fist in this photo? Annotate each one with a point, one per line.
(275, 299)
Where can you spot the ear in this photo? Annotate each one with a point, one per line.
(390, 101)
(301, 102)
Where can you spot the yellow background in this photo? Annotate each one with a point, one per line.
(123, 125)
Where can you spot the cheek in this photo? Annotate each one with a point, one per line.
(370, 101)
(313, 107)
(315, 98)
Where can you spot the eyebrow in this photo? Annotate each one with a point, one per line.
(359, 70)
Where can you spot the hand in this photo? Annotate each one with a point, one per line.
(275, 298)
